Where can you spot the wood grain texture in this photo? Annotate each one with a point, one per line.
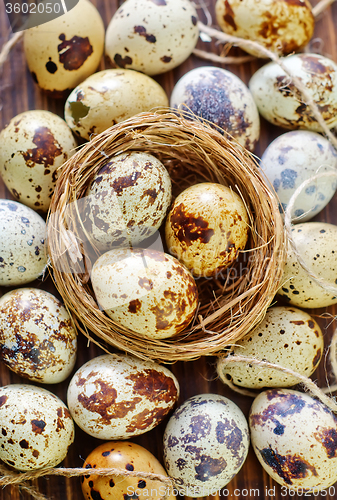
(19, 93)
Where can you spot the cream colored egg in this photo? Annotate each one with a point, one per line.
(295, 439)
(281, 103)
(206, 228)
(36, 427)
(22, 250)
(205, 444)
(282, 26)
(288, 337)
(37, 339)
(127, 200)
(117, 397)
(109, 97)
(145, 290)
(152, 36)
(220, 97)
(316, 243)
(33, 147)
(62, 53)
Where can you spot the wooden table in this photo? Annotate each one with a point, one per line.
(19, 93)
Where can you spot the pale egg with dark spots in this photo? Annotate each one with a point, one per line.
(120, 396)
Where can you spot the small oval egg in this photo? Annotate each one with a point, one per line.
(291, 159)
(281, 26)
(22, 251)
(288, 337)
(127, 200)
(36, 427)
(117, 397)
(145, 290)
(152, 36)
(295, 439)
(205, 444)
(109, 97)
(281, 103)
(219, 96)
(130, 457)
(33, 147)
(37, 339)
(206, 228)
(316, 243)
(62, 53)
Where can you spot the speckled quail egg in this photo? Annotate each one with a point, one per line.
(22, 252)
(295, 439)
(32, 148)
(281, 103)
(316, 243)
(152, 36)
(37, 339)
(293, 158)
(129, 457)
(62, 53)
(220, 97)
(109, 97)
(127, 200)
(145, 290)
(288, 337)
(206, 228)
(205, 444)
(281, 26)
(36, 427)
(117, 397)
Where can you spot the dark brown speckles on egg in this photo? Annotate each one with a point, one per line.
(47, 149)
(74, 52)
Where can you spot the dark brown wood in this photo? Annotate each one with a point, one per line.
(19, 93)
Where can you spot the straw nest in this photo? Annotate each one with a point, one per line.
(192, 151)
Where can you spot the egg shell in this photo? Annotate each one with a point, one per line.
(279, 101)
(62, 53)
(37, 339)
(205, 444)
(130, 457)
(109, 97)
(288, 337)
(295, 439)
(316, 243)
(152, 36)
(36, 427)
(293, 158)
(219, 96)
(206, 228)
(22, 252)
(127, 200)
(117, 397)
(281, 26)
(33, 146)
(145, 290)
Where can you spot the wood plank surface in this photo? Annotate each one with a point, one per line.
(19, 93)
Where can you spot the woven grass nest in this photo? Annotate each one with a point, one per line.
(192, 151)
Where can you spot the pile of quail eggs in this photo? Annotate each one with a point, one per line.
(114, 397)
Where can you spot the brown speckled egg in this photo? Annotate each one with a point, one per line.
(62, 53)
(117, 397)
(295, 439)
(22, 251)
(147, 291)
(127, 200)
(282, 26)
(37, 339)
(129, 457)
(36, 427)
(206, 228)
(288, 337)
(205, 444)
(32, 148)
